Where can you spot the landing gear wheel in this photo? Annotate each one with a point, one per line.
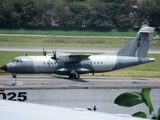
(74, 76)
(14, 76)
(70, 76)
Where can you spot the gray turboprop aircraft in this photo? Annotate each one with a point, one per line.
(75, 64)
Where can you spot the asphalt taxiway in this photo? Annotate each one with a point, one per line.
(85, 82)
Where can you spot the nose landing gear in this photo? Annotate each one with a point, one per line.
(14, 75)
(15, 82)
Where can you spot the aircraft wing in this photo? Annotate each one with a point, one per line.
(69, 57)
(73, 57)
(13, 110)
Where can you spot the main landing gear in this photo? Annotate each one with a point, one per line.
(74, 76)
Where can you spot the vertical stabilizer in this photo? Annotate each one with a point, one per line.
(140, 45)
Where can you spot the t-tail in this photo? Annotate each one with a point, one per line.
(136, 51)
(140, 45)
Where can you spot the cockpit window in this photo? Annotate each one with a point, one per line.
(14, 60)
(17, 60)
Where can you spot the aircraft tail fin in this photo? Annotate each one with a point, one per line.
(140, 45)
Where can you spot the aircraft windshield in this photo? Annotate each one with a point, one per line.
(14, 60)
(17, 60)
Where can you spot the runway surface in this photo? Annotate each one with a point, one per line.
(65, 49)
(49, 82)
(83, 93)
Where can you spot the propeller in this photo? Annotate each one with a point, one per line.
(44, 52)
(54, 55)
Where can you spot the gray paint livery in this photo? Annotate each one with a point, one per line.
(73, 65)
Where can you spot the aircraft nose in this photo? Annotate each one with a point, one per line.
(4, 67)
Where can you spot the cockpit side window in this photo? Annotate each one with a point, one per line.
(17, 60)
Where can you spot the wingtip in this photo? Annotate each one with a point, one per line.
(152, 59)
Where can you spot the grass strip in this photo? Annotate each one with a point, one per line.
(69, 41)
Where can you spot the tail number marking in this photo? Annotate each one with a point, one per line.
(21, 96)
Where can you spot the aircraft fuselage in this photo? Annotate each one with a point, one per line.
(93, 64)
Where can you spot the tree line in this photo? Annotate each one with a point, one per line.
(79, 13)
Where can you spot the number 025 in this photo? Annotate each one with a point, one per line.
(21, 96)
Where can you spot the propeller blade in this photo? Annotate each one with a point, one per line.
(54, 55)
(44, 52)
